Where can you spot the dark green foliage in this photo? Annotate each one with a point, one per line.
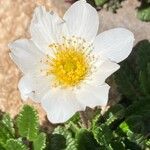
(136, 124)
(132, 124)
(132, 78)
(127, 81)
(114, 113)
(86, 141)
(133, 128)
(2, 148)
(102, 129)
(116, 145)
(56, 142)
(140, 107)
(128, 127)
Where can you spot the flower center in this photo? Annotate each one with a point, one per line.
(70, 63)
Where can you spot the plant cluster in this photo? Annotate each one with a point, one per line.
(125, 126)
(23, 132)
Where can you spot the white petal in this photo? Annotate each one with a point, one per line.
(25, 54)
(34, 87)
(115, 44)
(46, 28)
(82, 20)
(93, 95)
(60, 105)
(104, 70)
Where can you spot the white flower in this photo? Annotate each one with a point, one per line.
(65, 64)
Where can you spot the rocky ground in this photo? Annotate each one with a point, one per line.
(15, 16)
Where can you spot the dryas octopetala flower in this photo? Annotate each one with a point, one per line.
(65, 64)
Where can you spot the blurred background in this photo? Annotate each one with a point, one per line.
(15, 17)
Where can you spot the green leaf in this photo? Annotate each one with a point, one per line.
(124, 127)
(86, 140)
(6, 129)
(133, 127)
(70, 141)
(13, 144)
(148, 143)
(133, 123)
(27, 123)
(8, 122)
(103, 134)
(75, 118)
(95, 120)
(40, 142)
(114, 113)
(144, 14)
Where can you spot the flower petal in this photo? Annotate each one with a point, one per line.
(30, 87)
(82, 20)
(104, 70)
(46, 28)
(25, 54)
(115, 44)
(60, 105)
(93, 95)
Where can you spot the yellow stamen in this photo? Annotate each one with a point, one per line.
(70, 64)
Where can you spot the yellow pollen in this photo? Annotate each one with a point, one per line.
(69, 66)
